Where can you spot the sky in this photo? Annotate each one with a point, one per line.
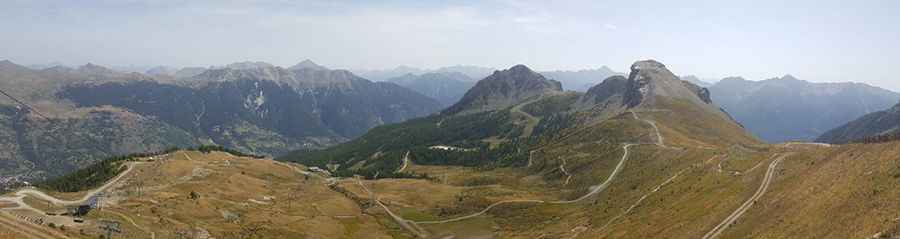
(819, 41)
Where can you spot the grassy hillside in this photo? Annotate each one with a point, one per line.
(848, 191)
(224, 196)
(381, 149)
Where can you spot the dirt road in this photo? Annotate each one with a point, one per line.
(767, 180)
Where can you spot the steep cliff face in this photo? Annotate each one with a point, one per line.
(652, 79)
(504, 89)
(647, 81)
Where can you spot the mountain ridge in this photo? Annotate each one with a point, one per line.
(786, 108)
(502, 89)
(880, 123)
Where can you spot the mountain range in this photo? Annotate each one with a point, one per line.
(512, 109)
(580, 80)
(472, 72)
(882, 123)
(786, 108)
(445, 87)
(642, 155)
(639, 156)
(251, 106)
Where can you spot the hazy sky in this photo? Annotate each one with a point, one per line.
(812, 40)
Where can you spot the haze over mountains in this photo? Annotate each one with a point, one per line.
(256, 107)
(516, 156)
(445, 87)
(776, 110)
(786, 108)
(502, 113)
(882, 123)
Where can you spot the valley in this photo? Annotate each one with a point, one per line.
(510, 119)
(635, 157)
(153, 197)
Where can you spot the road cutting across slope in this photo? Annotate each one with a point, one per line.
(767, 180)
(594, 189)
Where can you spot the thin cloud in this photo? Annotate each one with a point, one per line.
(610, 26)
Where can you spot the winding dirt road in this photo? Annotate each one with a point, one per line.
(20, 195)
(594, 189)
(532, 121)
(640, 200)
(405, 224)
(767, 180)
(660, 141)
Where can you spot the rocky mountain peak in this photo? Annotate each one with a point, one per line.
(652, 79)
(308, 64)
(610, 94)
(161, 71)
(647, 65)
(789, 77)
(648, 83)
(520, 68)
(504, 88)
(9, 65)
(246, 65)
(93, 69)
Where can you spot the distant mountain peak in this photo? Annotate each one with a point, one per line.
(647, 65)
(161, 71)
(504, 88)
(94, 69)
(9, 66)
(520, 68)
(308, 64)
(91, 66)
(245, 65)
(789, 77)
(649, 85)
(733, 78)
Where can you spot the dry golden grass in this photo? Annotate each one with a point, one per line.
(840, 192)
(849, 191)
(236, 196)
(9, 234)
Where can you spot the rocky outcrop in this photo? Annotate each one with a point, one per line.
(647, 80)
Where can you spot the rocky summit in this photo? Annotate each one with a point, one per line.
(504, 88)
